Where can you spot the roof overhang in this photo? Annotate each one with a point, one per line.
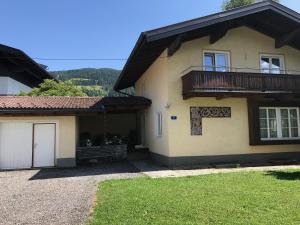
(19, 66)
(267, 17)
(63, 105)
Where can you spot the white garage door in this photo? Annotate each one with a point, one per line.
(15, 145)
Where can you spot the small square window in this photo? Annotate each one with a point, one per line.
(272, 64)
(216, 61)
(158, 124)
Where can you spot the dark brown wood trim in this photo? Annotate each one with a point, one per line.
(287, 38)
(39, 112)
(211, 83)
(253, 119)
(218, 32)
(175, 45)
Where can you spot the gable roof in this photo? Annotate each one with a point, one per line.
(267, 17)
(63, 104)
(18, 65)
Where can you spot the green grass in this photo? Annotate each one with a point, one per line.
(234, 198)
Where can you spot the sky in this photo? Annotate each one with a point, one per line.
(92, 29)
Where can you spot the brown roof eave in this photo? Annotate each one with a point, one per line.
(137, 64)
(47, 111)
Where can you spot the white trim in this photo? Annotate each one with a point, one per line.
(278, 125)
(227, 53)
(270, 56)
(55, 141)
(32, 121)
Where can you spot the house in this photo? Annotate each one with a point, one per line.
(37, 132)
(224, 88)
(218, 89)
(18, 72)
(46, 131)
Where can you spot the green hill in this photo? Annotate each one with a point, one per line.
(94, 82)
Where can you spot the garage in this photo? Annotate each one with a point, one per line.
(27, 144)
(43, 131)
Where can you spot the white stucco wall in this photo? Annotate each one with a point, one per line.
(9, 86)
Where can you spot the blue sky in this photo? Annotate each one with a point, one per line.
(92, 28)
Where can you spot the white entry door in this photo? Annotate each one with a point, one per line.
(44, 145)
(15, 145)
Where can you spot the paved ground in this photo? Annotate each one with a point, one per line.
(154, 171)
(66, 196)
(54, 196)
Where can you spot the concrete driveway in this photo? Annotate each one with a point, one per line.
(54, 196)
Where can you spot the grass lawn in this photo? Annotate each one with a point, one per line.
(233, 198)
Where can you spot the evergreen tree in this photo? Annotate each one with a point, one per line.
(231, 4)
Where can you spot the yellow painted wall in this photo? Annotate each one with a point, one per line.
(153, 85)
(66, 131)
(220, 135)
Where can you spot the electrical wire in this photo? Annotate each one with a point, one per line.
(232, 69)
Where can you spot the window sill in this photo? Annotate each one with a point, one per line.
(280, 139)
(277, 142)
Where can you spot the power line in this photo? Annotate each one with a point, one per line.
(81, 59)
(232, 69)
(72, 59)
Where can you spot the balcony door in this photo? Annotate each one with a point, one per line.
(273, 64)
(216, 61)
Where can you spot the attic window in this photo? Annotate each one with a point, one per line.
(273, 64)
(216, 61)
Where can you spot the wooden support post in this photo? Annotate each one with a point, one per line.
(104, 125)
(175, 45)
(218, 32)
(287, 38)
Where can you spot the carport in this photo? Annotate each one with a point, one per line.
(113, 132)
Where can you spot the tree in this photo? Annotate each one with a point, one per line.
(231, 4)
(54, 88)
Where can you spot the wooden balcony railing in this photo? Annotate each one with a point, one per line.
(204, 83)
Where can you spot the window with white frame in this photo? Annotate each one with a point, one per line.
(216, 61)
(158, 124)
(273, 64)
(279, 123)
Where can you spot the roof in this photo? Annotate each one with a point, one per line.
(57, 104)
(18, 65)
(267, 17)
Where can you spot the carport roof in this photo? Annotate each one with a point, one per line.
(70, 105)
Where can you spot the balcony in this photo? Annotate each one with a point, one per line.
(214, 84)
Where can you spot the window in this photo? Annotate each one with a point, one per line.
(159, 124)
(272, 64)
(279, 123)
(216, 61)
